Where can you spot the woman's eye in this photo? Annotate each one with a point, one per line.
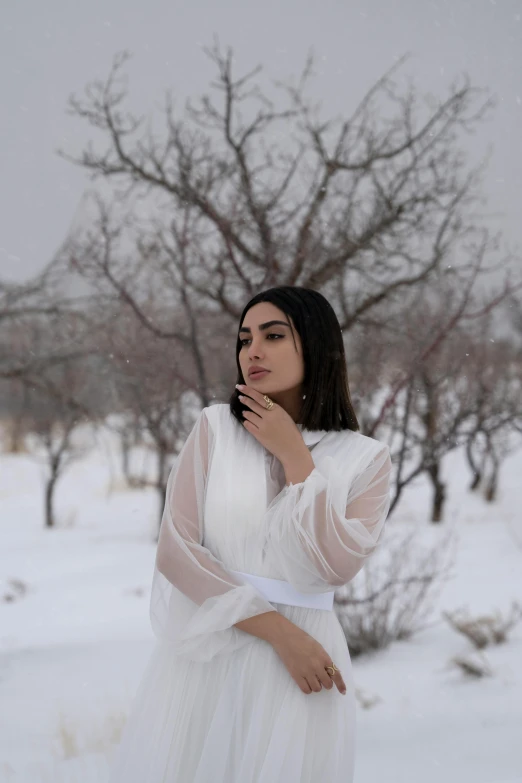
(272, 334)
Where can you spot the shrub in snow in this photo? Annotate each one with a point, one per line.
(12, 590)
(473, 665)
(485, 629)
(73, 739)
(392, 596)
(366, 700)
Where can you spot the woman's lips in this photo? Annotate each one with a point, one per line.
(255, 375)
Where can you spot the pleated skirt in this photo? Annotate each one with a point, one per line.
(240, 717)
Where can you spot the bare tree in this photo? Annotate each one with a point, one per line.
(365, 208)
(424, 400)
(54, 434)
(53, 427)
(151, 382)
(495, 382)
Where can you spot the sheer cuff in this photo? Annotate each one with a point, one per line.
(201, 632)
(312, 475)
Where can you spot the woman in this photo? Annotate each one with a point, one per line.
(274, 501)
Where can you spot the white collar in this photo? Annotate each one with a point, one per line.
(311, 436)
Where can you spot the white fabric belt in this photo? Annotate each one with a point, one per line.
(280, 592)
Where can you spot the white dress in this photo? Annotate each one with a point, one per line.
(216, 704)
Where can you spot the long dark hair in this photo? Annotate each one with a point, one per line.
(327, 404)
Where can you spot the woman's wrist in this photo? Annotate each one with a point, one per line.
(298, 466)
(270, 626)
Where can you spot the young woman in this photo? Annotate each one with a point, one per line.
(274, 501)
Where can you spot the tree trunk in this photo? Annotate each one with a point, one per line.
(477, 473)
(433, 464)
(125, 447)
(49, 500)
(490, 492)
(439, 492)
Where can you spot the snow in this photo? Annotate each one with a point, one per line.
(74, 645)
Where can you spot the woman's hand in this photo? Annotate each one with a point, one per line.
(306, 661)
(274, 429)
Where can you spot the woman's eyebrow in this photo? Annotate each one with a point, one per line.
(266, 325)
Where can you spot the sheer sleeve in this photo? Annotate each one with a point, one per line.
(195, 601)
(320, 531)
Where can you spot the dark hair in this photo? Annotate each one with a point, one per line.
(327, 405)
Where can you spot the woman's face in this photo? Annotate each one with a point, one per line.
(271, 347)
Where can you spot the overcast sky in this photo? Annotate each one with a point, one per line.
(51, 49)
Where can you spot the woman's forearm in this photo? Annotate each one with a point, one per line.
(270, 626)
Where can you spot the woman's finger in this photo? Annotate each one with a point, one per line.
(254, 395)
(250, 402)
(313, 682)
(325, 679)
(305, 685)
(338, 680)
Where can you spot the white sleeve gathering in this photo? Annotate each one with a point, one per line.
(321, 530)
(195, 601)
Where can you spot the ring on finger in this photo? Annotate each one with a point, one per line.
(333, 668)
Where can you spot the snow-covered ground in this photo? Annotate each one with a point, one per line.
(74, 645)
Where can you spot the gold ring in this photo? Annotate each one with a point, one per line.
(334, 669)
(269, 402)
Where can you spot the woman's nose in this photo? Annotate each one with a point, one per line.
(254, 349)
